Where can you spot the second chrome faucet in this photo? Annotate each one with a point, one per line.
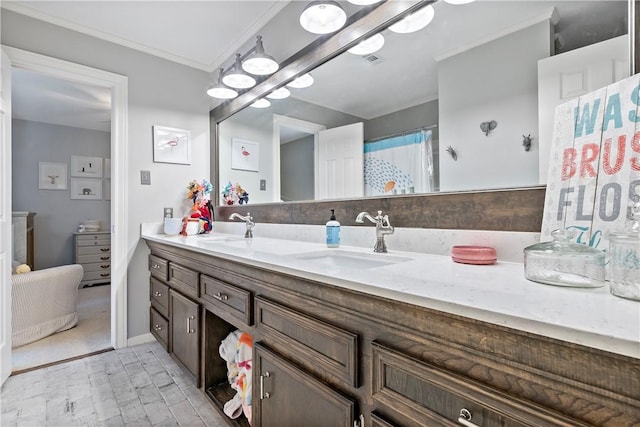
(248, 220)
(383, 227)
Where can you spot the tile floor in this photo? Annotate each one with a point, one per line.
(135, 386)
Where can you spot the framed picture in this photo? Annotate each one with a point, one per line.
(171, 145)
(52, 176)
(86, 189)
(245, 155)
(87, 167)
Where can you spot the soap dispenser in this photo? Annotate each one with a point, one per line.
(333, 231)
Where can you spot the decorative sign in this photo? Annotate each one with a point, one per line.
(594, 170)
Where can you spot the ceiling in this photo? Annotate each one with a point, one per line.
(175, 30)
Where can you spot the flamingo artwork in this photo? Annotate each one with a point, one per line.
(244, 151)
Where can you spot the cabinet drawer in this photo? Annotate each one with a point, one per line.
(159, 267)
(159, 295)
(184, 280)
(322, 346)
(417, 393)
(100, 266)
(92, 236)
(228, 298)
(90, 250)
(88, 259)
(159, 327)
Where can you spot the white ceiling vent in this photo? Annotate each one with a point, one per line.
(372, 58)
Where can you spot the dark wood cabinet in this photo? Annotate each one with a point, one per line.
(185, 332)
(331, 356)
(288, 396)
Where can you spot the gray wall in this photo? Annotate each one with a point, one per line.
(57, 216)
(160, 93)
(297, 170)
(495, 81)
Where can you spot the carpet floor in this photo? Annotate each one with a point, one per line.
(91, 334)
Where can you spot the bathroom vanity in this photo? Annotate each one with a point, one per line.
(346, 337)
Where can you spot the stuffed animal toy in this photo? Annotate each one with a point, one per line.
(23, 268)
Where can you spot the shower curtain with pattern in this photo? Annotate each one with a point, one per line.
(401, 164)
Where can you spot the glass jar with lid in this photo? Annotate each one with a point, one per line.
(562, 262)
(624, 259)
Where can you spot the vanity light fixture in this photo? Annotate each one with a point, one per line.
(258, 62)
(221, 91)
(261, 103)
(323, 17)
(301, 82)
(414, 22)
(368, 46)
(280, 93)
(459, 1)
(363, 2)
(236, 77)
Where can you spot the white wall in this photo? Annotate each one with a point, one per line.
(57, 216)
(160, 93)
(495, 81)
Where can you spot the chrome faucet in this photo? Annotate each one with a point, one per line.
(383, 227)
(248, 221)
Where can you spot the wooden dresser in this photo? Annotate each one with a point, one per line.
(93, 252)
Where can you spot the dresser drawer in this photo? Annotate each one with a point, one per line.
(101, 266)
(96, 242)
(228, 298)
(416, 393)
(183, 280)
(323, 346)
(92, 250)
(159, 267)
(93, 258)
(96, 276)
(159, 294)
(159, 327)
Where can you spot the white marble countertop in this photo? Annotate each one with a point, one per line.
(497, 293)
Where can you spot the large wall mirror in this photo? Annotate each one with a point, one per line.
(462, 105)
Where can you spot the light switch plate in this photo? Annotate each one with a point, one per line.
(263, 185)
(145, 177)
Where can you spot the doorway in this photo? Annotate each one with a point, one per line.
(117, 85)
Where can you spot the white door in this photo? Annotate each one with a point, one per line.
(340, 162)
(564, 77)
(5, 218)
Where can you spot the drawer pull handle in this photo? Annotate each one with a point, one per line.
(156, 266)
(105, 266)
(220, 297)
(465, 418)
(189, 330)
(104, 249)
(104, 258)
(157, 327)
(157, 294)
(263, 394)
(104, 275)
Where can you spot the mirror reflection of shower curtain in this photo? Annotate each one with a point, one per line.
(400, 164)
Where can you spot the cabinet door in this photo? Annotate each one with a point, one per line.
(286, 396)
(185, 332)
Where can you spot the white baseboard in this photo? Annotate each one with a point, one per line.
(140, 339)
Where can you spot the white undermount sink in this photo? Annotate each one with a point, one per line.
(345, 259)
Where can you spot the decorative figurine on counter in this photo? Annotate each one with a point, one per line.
(200, 194)
(234, 194)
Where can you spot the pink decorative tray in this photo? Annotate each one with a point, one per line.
(478, 255)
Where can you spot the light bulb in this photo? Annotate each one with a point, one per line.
(323, 17)
(280, 93)
(414, 22)
(303, 81)
(368, 46)
(261, 103)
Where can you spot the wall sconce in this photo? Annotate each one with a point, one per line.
(261, 103)
(488, 126)
(258, 62)
(301, 82)
(414, 22)
(323, 17)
